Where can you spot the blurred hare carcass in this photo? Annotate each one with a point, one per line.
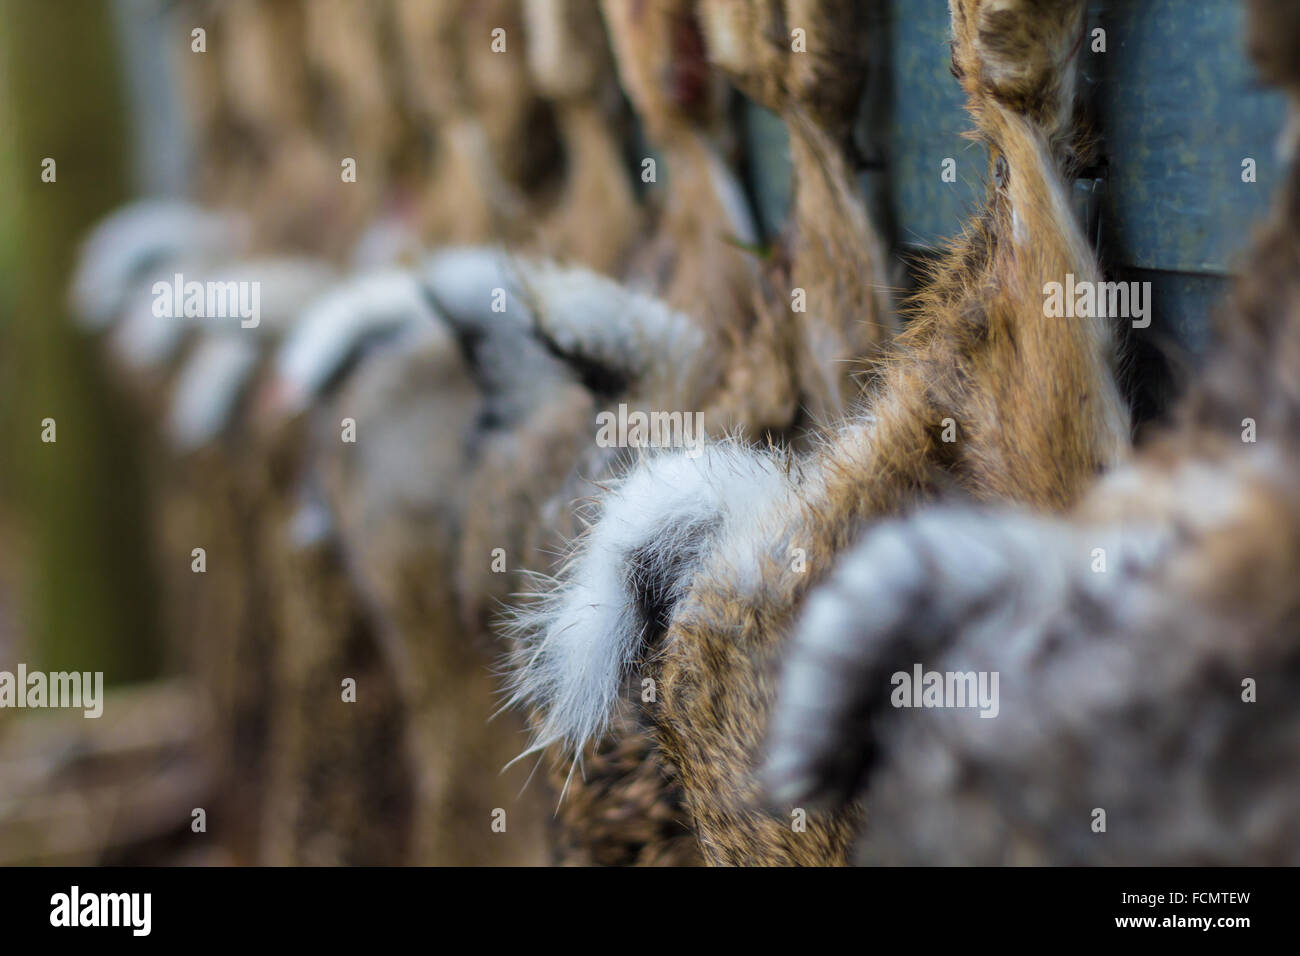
(262, 152)
(379, 352)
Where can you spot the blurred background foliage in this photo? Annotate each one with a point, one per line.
(75, 580)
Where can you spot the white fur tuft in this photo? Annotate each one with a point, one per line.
(142, 340)
(463, 280)
(208, 389)
(145, 340)
(335, 325)
(584, 313)
(222, 365)
(588, 314)
(139, 238)
(512, 366)
(579, 641)
(914, 588)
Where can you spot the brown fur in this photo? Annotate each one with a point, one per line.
(626, 808)
(264, 79)
(245, 635)
(526, 479)
(690, 261)
(831, 249)
(355, 111)
(495, 137)
(1033, 400)
(398, 505)
(220, 620)
(217, 620)
(596, 219)
(399, 493)
(417, 410)
(1124, 689)
(339, 791)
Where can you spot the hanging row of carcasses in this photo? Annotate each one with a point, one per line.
(372, 470)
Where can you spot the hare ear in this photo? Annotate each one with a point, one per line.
(908, 593)
(125, 248)
(477, 294)
(520, 322)
(208, 389)
(620, 587)
(336, 327)
(612, 337)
